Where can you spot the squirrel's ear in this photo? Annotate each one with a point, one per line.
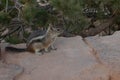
(49, 28)
(50, 25)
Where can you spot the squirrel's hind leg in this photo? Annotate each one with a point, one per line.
(38, 52)
(47, 50)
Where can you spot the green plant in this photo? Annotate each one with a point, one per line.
(72, 12)
(29, 12)
(13, 40)
(4, 18)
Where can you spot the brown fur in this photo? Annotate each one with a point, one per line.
(48, 40)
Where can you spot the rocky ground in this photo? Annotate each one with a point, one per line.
(92, 58)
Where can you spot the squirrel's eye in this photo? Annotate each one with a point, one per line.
(58, 29)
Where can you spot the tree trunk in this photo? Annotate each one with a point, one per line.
(6, 8)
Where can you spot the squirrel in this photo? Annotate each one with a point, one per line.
(36, 43)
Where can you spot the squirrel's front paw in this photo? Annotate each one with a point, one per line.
(53, 48)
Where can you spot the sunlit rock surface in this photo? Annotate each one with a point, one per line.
(93, 58)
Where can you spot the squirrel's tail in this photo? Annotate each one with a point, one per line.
(13, 49)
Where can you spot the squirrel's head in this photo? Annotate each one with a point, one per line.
(53, 31)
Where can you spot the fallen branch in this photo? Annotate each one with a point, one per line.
(9, 33)
(97, 29)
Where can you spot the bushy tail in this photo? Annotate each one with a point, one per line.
(13, 49)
